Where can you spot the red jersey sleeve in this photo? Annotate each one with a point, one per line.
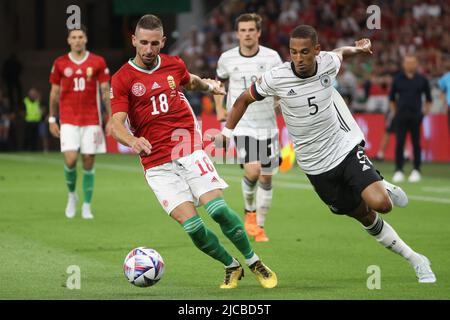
(103, 71)
(184, 73)
(55, 75)
(119, 95)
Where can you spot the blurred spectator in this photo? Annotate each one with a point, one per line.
(33, 115)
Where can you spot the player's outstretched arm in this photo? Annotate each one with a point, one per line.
(361, 46)
(122, 134)
(197, 84)
(53, 107)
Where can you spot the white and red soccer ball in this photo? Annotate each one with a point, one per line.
(143, 267)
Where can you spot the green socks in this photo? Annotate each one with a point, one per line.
(206, 240)
(71, 178)
(88, 185)
(231, 225)
(88, 181)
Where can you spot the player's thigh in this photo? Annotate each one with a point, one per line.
(170, 189)
(200, 174)
(269, 155)
(70, 138)
(334, 192)
(92, 140)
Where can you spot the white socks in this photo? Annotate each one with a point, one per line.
(263, 202)
(248, 192)
(387, 237)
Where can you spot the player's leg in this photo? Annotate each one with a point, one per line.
(92, 143)
(400, 135)
(246, 147)
(70, 174)
(175, 196)
(206, 185)
(249, 192)
(268, 156)
(387, 237)
(231, 225)
(88, 184)
(414, 124)
(70, 140)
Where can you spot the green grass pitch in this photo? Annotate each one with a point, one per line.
(316, 255)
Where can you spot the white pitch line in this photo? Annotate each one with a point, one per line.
(281, 184)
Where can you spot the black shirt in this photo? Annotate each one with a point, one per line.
(407, 93)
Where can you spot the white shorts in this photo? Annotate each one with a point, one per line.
(86, 139)
(184, 179)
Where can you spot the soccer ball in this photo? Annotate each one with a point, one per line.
(143, 267)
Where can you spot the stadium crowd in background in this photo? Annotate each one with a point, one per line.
(408, 26)
(417, 27)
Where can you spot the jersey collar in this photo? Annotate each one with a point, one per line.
(298, 75)
(149, 71)
(251, 56)
(86, 55)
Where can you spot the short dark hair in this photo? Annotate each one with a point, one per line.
(81, 28)
(149, 22)
(304, 31)
(248, 17)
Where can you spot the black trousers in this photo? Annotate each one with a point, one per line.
(31, 136)
(408, 122)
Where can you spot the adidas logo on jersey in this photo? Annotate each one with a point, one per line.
(365, 167)
(155, 86)
(79, 71)
(291, 92)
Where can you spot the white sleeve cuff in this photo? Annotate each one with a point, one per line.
(227, 132)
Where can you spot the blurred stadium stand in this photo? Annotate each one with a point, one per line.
(199, 30)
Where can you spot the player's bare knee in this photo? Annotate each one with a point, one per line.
(382, 204)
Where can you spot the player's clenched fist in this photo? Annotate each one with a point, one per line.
(141, 146)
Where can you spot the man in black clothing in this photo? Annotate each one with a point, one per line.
(406, 99)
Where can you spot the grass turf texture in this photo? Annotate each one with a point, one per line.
(316, 255)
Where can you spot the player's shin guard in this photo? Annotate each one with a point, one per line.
(248, 192)
(71, 178)
(206, 240)
(231, 225)
(88, 184)
(387, 237)
(263, 202)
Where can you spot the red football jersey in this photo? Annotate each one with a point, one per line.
(157, 109)
(79, 102)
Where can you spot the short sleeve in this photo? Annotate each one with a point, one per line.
(336, 59)
(103, 72)
(184, 73)
(264, 86)
(277, 60)
(55, 75)
(221, 71)
(118, 95)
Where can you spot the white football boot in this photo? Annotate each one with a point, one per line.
(423, 271)
(71, 206)
(397, 195)
(86, 211)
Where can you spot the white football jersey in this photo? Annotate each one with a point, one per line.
(322, 134)
(259, 120)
